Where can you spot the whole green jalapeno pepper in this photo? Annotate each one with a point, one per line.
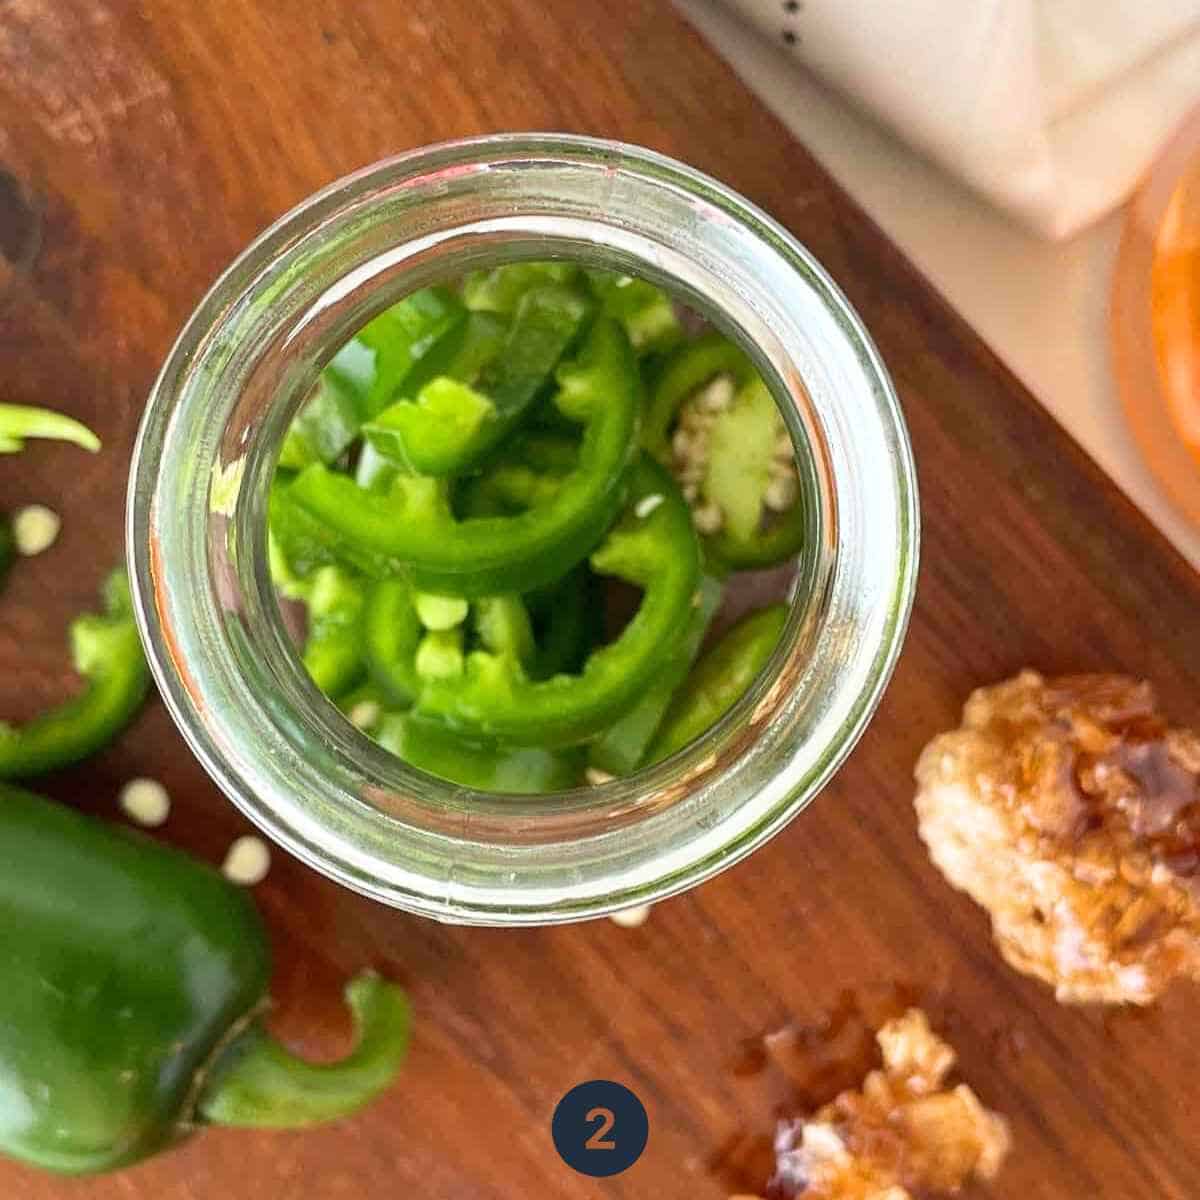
(135, 986)
(323, 516)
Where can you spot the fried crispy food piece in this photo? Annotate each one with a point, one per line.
(1070, 810)
(902, 1130)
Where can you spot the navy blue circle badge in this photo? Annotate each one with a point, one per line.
(600, 1128)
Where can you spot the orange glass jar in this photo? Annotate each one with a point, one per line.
(1156, 318)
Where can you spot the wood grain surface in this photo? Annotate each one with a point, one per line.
(145, 144)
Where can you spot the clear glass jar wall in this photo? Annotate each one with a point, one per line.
(197, 531)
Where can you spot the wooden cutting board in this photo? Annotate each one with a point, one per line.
(145, 145)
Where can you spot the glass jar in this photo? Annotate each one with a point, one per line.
(197, 531)
(1156, 317)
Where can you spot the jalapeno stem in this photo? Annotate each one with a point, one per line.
(259, 1083)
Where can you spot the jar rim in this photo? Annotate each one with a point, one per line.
(202, 434)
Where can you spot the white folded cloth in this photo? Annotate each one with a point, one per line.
(1051, 108)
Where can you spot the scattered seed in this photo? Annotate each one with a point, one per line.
(145, 802)
(248, 861)
(646, 505)
(35, 528)
(595, 776)
(781, 493)
(708, 519)
(365, 714)
(631, 918)
(681, 445)
(690, 491)
(783, 447)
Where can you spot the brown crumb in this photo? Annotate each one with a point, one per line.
(902, 1131)
(1070, 810)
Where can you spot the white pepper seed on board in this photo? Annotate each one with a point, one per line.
(35, 528)
(247, 861)
(145, 802)
(631, 918)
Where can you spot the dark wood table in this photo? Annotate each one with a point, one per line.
(145, 144)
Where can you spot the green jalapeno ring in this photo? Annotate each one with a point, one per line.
(719, 680)
(323, 516)
(683, 373)
(107, 652)
(450, 426)
(653, 546)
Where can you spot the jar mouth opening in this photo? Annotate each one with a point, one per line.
(246, 360)
(325, 325)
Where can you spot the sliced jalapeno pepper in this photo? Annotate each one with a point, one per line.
(21, 421)
(568, 623)
(503, 626)
(333, 648)
(323, 516)
(450, 426)
(621, 748)
(392, 631)
(645, 311)
(783, 537)
(106, 651)
(364, 705)
(500, 289)
(652, 546)
(685, 372)
(363, 376)
(721, 678)
(487, 767)
(733, 453)
(526, 472)
(462, 355)
(751, 480)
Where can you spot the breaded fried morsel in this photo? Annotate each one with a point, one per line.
(1070, 810)
(902, 1130)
